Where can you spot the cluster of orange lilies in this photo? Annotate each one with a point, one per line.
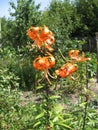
(43, 39)
(69, 68)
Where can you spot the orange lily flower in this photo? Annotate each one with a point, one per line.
(33, 32)
(41, 63)
(44, 63)
(83, 58)
(74, 54)
(47, 36)
(42, 37)
(48, 47)
(66, 70)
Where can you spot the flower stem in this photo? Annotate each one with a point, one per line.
(86, 100)
(47, 108)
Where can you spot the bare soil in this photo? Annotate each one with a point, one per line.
(29, 96)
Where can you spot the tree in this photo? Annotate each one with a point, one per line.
(61, 18)
(87, 11)
(24, 15)
(6, 31)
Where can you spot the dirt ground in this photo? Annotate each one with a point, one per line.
(29, 96)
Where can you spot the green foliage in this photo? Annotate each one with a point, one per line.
(9, 104)
(61, 17)
(7, 31)
(14, 115)
(8, 79)
(92, 65)
(18, 64)
(25, 14)
(9, 98)
(27, 74)
(86, 11)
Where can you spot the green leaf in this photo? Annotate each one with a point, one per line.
(58, 108)
(55, 119)
(64, 125)
(55, 97)
(37, 123)
(39, 116)
(39, 87)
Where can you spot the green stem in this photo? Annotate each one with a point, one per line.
(47, 108)
(86, 101)
(62, 55)
(85, 115)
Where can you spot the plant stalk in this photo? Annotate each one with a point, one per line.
(86, 100)
(47, 108)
